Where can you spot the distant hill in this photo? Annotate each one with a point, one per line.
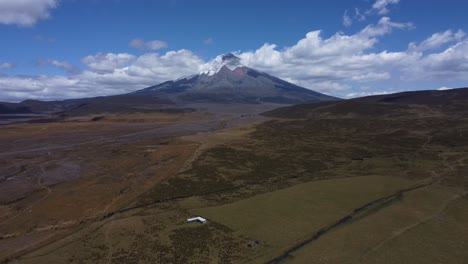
(415, 103)
(87, 106)
(9, 108)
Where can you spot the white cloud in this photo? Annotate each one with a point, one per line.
(371, 76)
(450, 64)
(108, 62)
(140, 44)
(342, 62)
(381, 6)
(127, 73)
(329, 87)
(107, 74)
(436, 41)
(383, 27)
(459, 35)
(315, 61)
(25, 12)
(7, 65)
(171, 65)
(39, 87)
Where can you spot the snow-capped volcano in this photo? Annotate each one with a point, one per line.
(229, 60)
(225, 79)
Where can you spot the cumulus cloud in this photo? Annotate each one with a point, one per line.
(107, 62)
(382, 6)
(25, 12)
(39, 87)
(325, 63)
(105, 74)
(342, 62)
(450, 64)
(7, 65)
(172, 65)
(140, 44)
(459, 35)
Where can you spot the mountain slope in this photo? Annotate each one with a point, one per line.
(226, 80)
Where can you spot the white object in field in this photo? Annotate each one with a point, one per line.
(197, 219)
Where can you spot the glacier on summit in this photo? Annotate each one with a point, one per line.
(229, 60)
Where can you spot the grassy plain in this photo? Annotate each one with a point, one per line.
(288, 216)
(319, 190)
(425, 226)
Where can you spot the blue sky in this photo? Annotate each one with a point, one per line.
(56, 49)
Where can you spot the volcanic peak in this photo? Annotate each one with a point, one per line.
(228, 60)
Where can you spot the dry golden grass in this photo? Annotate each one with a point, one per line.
(110, 175)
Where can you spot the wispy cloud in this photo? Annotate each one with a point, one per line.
(42, 38)
(208, 41)
(382, 6)
(358, 15)
(437, 40)
(140, 44)
(7, 65)
(68, 67)
(347, 20)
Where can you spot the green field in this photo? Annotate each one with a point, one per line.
(426, 226)
(288, 216)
